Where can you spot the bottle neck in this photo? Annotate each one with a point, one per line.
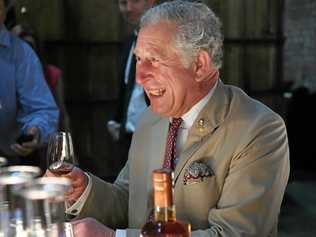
(163, 201)
(165, 213)
(163, 196)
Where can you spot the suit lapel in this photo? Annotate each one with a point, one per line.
(157, 152)
(159, 139)
(208, 120)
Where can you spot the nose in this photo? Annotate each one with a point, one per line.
(143, 73)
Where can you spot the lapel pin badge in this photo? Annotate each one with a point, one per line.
(201, 124)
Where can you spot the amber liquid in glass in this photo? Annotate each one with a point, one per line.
(61, 168)
(164, 223)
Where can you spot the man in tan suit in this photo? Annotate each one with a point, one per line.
(232, 160)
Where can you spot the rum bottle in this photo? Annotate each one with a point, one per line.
(164, 223)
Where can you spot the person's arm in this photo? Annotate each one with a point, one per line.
(90, 196)
(108, 203)
(73, 207)
(36, 103)
(76, 198)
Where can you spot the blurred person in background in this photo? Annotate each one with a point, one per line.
(132, 99)
(28, 113)
(52, 74)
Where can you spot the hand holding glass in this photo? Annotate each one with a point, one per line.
(60, 153)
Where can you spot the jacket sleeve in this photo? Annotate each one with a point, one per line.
(108, 203)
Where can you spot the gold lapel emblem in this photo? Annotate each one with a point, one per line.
(201, 125)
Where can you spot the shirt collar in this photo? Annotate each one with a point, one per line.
(4, 37)
(190, 116)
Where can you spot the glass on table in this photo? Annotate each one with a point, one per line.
(43, 200)
(13, 178)
(3, 161)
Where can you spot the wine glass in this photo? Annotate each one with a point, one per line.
(60, 153)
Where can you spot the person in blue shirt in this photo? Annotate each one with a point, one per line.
(26, 104)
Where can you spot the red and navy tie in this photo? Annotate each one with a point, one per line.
(170, 152)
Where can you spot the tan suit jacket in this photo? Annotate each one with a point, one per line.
(242, 141)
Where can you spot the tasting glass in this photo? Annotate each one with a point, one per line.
(43, 199)
(13, 178)
(60, 153)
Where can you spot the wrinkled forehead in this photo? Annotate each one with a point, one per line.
(161, 29)
(162, 33)
(157, 41)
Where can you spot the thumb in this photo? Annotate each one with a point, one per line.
(49, 174)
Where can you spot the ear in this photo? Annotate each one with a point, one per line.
(203, 66)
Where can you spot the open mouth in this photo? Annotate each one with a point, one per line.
(157, 92)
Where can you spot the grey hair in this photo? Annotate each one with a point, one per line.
(198, 28)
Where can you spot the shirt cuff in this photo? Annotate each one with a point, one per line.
(75, 209)
(120, 233)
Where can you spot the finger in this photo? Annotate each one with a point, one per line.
(34, 131)
(74, 192)
(49, 174)
(20, 150)
(69, 191)
(71, 199)
(79, 182)
(77, 176)
(31, 144)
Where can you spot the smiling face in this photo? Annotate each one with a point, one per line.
(171, 87)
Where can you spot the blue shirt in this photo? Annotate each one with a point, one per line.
(25, 99)
(137, 103)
